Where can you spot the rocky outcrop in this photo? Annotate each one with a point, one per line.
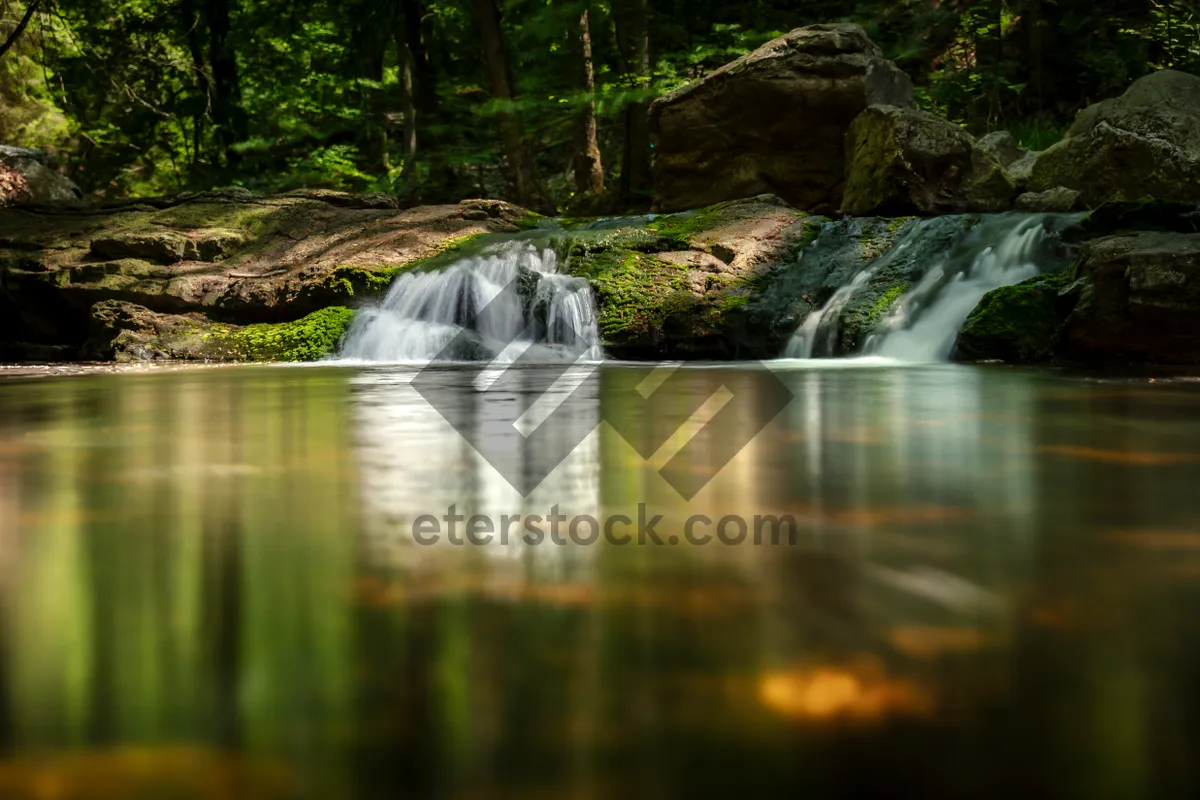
(1139, 299)
(219, 258)
(905, 161)
(27, 179)
(1142, 145)
(680, 285)
(125, 332)
(1129, 298)
(772, 121)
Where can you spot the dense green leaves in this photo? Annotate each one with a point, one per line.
(154, 96)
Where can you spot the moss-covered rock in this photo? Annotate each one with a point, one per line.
(680, 285)
(128, 332)
(1019, 324)
(1143, 145)
(226, 256)
(906, 161)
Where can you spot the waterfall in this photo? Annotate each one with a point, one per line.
(531, 309)
(925, 321)
(946, 275)
(825, 321)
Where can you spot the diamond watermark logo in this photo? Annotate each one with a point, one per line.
(530, 406)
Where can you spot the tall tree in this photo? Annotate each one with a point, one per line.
(522, 172)
(228, 115)
(589, 171)
(633, 27)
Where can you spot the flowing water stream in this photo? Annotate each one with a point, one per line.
(501, 302)
(213, 581)
(944, 284)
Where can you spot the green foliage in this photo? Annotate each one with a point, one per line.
(142, 97)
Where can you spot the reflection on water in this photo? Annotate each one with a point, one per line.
(209, 587)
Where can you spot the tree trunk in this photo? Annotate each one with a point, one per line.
(409, 152)
(589, 171)
(635, 187)
(232, 125)
(372, 38)
(426, 90)
(191, 21)
(522, 172)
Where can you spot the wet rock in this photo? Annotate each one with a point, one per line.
(1019, 324)
(1143, 145)
(772, 121)
(679, 285)
(168, 247)
(906, 161)
(225, 256)
(1140, 299)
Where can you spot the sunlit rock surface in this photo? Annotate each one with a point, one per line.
(772, 121)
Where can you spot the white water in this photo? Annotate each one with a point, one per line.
(926, 320)
(423, 312)
(804, 340)
(924, 323)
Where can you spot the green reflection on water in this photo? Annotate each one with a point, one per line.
(207, 586)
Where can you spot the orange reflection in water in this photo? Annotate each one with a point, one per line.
(142, 772)
(1126, 457)
(856, 691)
(931, 641)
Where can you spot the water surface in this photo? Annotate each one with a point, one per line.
(209, 587)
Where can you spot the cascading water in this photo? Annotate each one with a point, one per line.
(946, 284)
(926, 321)
(530, 307)
(825, 321)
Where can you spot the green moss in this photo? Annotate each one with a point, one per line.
(307, 339)
(1020, 323)
(733, 301)
(531, 221)
(885, 301)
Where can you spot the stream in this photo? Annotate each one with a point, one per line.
(211, 586)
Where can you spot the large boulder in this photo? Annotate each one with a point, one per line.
(1142, 145)
(773, 121)
(906, 161)
(27, 179)
(1140, 299)
(1129, 298)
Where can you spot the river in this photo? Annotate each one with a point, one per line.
(211, 585)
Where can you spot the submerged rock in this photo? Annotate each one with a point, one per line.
(772, 121)
(906, 161)
(1142, 145)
